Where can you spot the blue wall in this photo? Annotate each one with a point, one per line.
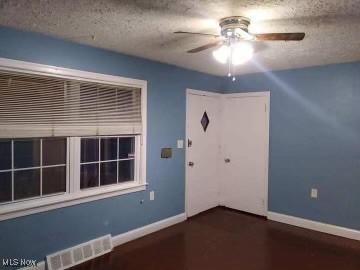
(40, 234)
(314, 140)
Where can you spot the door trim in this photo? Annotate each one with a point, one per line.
(265, 94)
(249, 94)
(188, 93)
(201, 93)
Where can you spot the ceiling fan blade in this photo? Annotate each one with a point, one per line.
(205, 47)
(280, 36)
(195, 33)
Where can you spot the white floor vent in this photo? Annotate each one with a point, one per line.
(67, 258)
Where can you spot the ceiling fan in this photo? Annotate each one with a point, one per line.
(235, 29)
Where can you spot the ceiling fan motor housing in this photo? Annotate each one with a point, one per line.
(230, 26)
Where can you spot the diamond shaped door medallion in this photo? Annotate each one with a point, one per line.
(205, 121)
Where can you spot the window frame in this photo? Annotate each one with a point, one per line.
(74, 194)
(77, 167)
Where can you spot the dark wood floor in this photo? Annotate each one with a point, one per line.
(222, 239)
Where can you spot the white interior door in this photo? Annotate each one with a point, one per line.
(202, 153)
(244, 137)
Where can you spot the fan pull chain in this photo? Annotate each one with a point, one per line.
(229, 63)
(230, 66)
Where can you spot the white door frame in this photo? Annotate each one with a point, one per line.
(188, 93)
(265, 94)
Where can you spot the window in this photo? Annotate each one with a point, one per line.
(32, 168)
(68, 139)
(106, 161)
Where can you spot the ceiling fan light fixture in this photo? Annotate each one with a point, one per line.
(241, 53)
(222, 54)
(243, 34)
(235, 38)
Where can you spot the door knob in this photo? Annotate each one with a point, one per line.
(191, 164)
(227, 160)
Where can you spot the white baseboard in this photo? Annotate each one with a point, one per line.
(120, 239)
(295, 221)
(142, 231)
(315, 226)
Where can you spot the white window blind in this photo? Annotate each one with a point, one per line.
(38, 106)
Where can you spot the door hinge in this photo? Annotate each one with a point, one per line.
(265, 107)
(189, 143)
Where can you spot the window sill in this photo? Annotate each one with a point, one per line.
(29, 207)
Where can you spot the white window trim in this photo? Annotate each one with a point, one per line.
(31, 206)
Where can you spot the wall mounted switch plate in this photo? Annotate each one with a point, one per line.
(180, 144)
(152, 195)
(314, 193)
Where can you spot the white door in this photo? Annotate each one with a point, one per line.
(244, 137)
(202, 153)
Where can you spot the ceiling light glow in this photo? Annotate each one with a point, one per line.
(222, 54)
(241, 53)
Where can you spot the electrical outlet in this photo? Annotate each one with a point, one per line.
(152, 195)
(180, 143)
(314, 193)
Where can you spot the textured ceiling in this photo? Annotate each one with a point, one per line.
(144, 28)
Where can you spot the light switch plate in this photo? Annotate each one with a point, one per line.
(180, 143)
(152, 195)
(314, 193)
